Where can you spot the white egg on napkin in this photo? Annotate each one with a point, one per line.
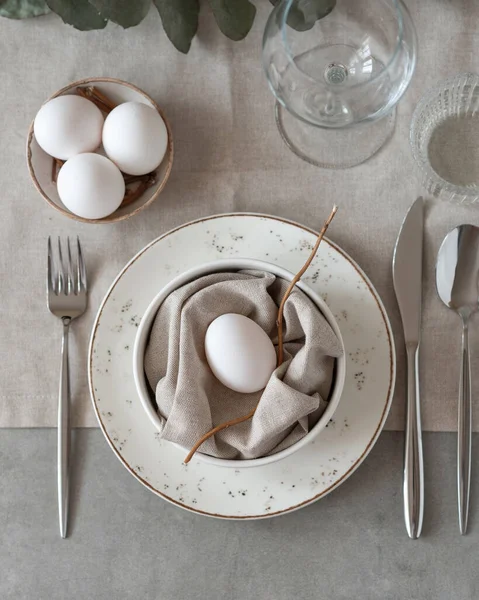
(240, 353)
(90, 186)
(68, 125)
(135, 138)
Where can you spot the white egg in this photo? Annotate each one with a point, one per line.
(240, 353)
(135, 138)
(67, 126)
(90, 186)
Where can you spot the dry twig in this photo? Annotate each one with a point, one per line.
(279, 323)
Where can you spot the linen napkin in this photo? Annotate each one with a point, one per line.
(189, 398)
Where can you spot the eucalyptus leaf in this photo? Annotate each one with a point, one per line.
(126, 13)
(23, 9)
(234, 17)
(79, 13)
(180, 21)
(303, 14)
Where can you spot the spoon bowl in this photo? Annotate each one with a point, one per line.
(457, 270)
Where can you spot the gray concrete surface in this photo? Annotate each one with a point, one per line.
(127, 543)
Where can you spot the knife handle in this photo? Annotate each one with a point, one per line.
(464, 432)
(413, 488)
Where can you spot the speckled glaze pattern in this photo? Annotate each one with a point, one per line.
(306, 475)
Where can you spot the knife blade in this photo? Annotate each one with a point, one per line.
(407, 280)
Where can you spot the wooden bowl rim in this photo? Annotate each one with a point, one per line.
(110, 218)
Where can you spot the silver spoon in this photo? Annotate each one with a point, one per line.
(457, 277)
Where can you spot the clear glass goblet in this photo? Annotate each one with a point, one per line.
(338, 69)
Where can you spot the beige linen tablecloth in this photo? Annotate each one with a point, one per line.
(229, 157)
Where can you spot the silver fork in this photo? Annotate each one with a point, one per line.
(67, 300)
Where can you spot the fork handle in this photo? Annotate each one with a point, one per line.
(63, 467)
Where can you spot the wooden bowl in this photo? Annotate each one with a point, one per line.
(40, 163)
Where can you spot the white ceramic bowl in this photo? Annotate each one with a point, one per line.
(236, 264)
(40, 163)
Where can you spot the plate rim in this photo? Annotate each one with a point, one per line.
(392, 367)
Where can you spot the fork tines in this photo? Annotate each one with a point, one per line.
(69, 280)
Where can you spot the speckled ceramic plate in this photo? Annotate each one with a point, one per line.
(306, 475)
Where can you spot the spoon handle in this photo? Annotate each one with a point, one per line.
(464, 433)
(413, 458)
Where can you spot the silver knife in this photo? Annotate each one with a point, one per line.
(407, 278)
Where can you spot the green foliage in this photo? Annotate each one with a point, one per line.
(234, 17)
(22, 9)
(304, 13)
(126, 13)
(180, 21)
(80, 13)
(179, 17)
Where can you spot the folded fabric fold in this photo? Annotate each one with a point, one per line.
(191, 401)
